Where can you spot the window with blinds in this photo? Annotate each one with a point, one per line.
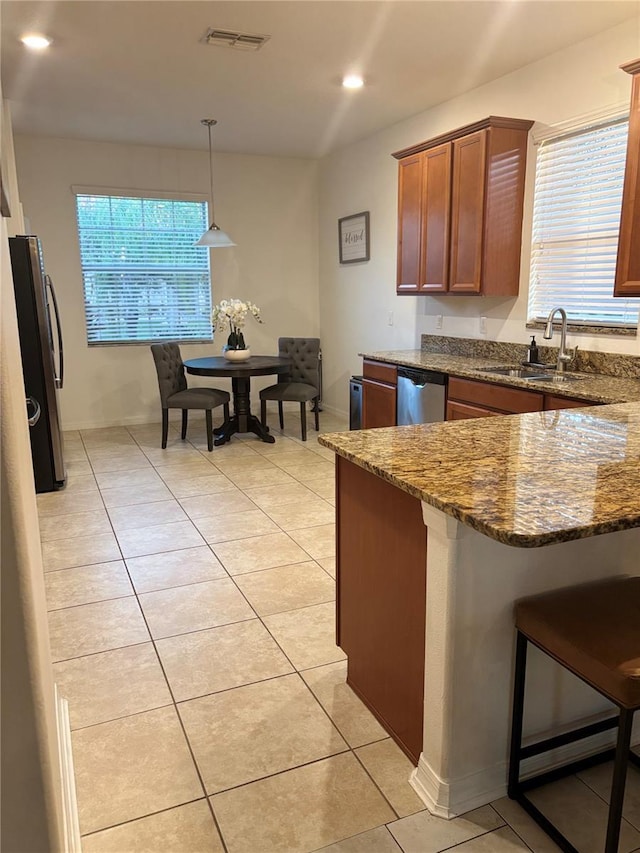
(576, 218)
(144, 280)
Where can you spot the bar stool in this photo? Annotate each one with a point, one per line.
(593, 631)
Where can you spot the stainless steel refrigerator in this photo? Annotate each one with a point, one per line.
(42, 359)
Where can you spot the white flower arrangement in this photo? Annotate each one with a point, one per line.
(233, 313)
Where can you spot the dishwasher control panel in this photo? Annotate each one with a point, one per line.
(421, 396)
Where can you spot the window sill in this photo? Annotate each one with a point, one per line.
(579, 328)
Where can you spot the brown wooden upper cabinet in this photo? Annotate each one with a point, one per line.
(628, 264)
(460, 198)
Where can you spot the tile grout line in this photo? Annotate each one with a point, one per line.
(151, 814)
(173, 705)
(512, 828)
(178, 716)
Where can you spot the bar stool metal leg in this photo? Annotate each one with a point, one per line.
(619, 780)
(518, 713)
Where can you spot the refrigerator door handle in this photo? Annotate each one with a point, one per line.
(34, 405)
(60, 376)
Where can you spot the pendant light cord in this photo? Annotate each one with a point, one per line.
(211, 173)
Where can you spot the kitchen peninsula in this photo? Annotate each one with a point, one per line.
(440, 528)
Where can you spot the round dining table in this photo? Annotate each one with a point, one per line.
(242, 420)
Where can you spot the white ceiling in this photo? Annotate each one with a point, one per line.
(137, 71)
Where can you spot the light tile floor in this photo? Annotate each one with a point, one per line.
(191, 598)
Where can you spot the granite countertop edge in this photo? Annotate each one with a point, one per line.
(500, 534)
(595, 388)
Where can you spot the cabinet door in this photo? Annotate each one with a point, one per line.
(378, 404)
(628, 264)
(463, 411)
(467, 213)
(436, 219)
(409, 223)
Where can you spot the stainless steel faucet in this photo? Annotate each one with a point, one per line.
(564, 355)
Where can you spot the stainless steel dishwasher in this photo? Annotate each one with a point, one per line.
(421, 396)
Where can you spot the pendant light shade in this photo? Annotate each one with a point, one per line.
(214, 237)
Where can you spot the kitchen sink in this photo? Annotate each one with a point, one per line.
(517, 372)
(557, 378)
(532, 374)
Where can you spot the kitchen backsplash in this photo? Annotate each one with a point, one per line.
(586, 361)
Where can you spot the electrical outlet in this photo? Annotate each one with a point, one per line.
(439, 321)
(390, 318)
(483, 325)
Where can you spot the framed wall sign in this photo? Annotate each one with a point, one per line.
(353, 235)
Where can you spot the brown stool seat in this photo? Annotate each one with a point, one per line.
(593, 631)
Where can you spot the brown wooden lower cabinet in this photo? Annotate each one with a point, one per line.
(381, 599)
(471, 398)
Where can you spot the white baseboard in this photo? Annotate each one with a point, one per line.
(174, 417)
(333, 411)
(450, 799)
(70, 821)
(458, 796)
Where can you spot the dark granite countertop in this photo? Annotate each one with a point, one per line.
(524, 480)
(594, 387)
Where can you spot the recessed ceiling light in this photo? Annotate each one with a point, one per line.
(35, 42)
(352, 81)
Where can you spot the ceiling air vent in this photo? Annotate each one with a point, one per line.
(241, 41)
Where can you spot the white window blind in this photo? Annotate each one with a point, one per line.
(144, 280)
(576, 218)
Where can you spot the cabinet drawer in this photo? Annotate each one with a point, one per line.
(553, 402)
(463, 411)
(380, 372)
(511, 400)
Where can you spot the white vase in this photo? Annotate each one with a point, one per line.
(236, 354)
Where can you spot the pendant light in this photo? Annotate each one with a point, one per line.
(214, 237)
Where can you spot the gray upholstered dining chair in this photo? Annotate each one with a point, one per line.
(300, 385)
(174, 393)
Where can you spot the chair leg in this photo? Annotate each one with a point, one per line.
(184, 424)
(263, 412)
(303, 420)
(225, 410)
(165, 427)
(281, 414)
(316, 410)
(619, 779)
(207, 415)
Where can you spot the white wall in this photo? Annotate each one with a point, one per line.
(355, 300)
(31, 785)
(269, 206)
